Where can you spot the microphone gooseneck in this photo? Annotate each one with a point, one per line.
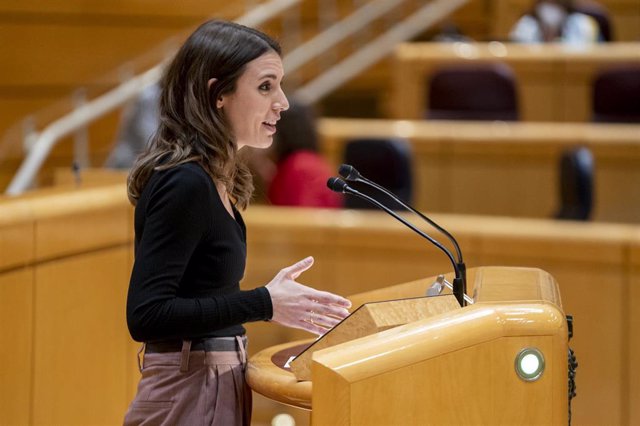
(350, 173)
(338, 185)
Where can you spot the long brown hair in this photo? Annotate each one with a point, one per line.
(191, 128)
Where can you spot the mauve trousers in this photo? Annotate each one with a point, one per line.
(192, 388)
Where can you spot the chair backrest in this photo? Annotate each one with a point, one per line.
(599, 13)
(576, 184)
(616, 95)
(386, 162)
(473, 92)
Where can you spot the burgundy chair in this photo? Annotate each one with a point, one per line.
(616, 95)
(473, 92)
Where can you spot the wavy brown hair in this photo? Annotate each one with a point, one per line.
(191, 128)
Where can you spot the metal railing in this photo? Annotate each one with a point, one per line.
(40, 144)
(377, 49)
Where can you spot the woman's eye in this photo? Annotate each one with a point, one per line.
(265, 86)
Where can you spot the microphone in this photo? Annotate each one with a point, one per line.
(338, 185)
(350, 173)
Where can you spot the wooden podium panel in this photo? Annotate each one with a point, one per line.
(457, 367)
(452, 369)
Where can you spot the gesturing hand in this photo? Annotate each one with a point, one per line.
(298, 306)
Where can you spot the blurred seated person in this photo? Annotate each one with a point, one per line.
(555, 21)
(139, 122)
(300, 175)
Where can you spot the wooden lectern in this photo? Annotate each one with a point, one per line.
(500, 361)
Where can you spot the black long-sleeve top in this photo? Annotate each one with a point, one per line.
(190, 256)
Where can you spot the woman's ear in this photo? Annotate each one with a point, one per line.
(220, 100)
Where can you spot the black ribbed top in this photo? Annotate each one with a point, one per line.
(190, 256)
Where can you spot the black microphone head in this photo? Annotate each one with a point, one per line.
(348, 172)
(336, 184)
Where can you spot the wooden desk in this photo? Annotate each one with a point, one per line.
(553, 80)
(508, 169)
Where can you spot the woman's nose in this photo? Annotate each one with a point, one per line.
(282, 103)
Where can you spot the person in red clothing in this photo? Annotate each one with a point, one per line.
(301, 172)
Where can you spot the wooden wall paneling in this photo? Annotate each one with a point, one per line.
(81, 347)
(17, 246)
(616, 200)
(472, 20)
(130, 8)
(365, 254)
(285, 242)
(538, 99)
(406, 99)
(432, 165)
(74, 233)
(14, 107)
(16, 351)
(58, 46)
(498, 178)
(133, 376)
(506, 13)
(631, 311)
(625, 17)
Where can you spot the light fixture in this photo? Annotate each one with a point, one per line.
(529, 364)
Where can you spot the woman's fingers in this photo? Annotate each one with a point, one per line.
(317, 324)
(321, 318)
(328, 310)
(327, 298)
(297, 268)
(296, 305)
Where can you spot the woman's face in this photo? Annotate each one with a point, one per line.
(254, 108)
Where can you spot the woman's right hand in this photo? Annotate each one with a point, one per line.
(298, 306)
